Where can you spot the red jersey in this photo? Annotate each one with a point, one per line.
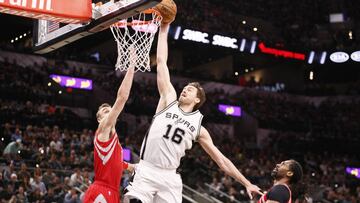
(108, 167)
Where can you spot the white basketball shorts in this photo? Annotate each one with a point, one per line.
(152, 184)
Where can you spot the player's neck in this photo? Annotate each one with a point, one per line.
(282, 181)
(187, 108)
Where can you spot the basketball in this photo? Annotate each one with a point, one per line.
(168, 10)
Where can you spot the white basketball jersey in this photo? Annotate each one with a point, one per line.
(172, 131)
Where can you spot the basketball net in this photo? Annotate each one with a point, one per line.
(136, 34)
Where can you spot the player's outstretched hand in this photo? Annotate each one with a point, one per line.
(131, 168)
(253, 189)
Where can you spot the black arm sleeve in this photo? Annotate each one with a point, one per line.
(279, 193)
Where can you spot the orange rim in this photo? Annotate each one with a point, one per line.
(148, 11)
(151, 10)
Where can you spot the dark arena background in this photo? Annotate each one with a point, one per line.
(282, 80)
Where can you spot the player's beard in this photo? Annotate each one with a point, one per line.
(275, 173)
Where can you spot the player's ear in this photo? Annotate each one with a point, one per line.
(289, 174)
(98, 118)
(197, 100)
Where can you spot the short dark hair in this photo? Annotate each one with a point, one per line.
(100, 107)
(297, 170)
(200, 94)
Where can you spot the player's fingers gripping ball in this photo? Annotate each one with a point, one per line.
(167, 9)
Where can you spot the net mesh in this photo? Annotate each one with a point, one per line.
(137, 34)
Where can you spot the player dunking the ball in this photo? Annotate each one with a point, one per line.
(176, 124)
(108, 156)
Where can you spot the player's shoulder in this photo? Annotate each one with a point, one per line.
(280, 193)
(280, 188)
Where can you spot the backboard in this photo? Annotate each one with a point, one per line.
(50, 35)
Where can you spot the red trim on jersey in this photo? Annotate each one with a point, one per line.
(125, 165)
(105, 149)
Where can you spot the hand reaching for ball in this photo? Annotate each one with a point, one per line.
(168, 10)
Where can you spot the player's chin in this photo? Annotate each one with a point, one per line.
(274, 173)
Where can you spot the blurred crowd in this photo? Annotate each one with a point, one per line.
(298, 22)
(44, 164)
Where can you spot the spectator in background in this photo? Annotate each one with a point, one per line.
(26, 184)
(23, 173)
(54, 163)
(50, 197)
(38, 172)
(7, 193)
(21, 196)
(76, 178)
(48, 176)
(16, 135)
(14, 181)
(38, 184)
(36, 196)
(2, 182)
(12, 149)
(72, 197)
(56, 143)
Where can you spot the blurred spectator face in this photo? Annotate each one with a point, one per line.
(77, 171)
(21, 190)
(73, 191)
(72, 153)
(17, 131)
(56, 180)
(50, 192)
(37, 179)
(10, 189)
(37, 172)
(23, 167)
(49, 171)
(37, 192)
(66, 181)
(26, 180)
(13, 177)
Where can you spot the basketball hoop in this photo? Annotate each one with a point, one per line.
(136, 33)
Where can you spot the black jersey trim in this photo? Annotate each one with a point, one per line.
(188, 113)
(166, 108)
(145, 141)
(199, 128)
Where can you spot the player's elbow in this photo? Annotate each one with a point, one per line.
(123, 96)
(222, 164)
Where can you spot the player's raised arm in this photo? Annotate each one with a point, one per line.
(224, 163)
(166, 90)
(122, 96)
